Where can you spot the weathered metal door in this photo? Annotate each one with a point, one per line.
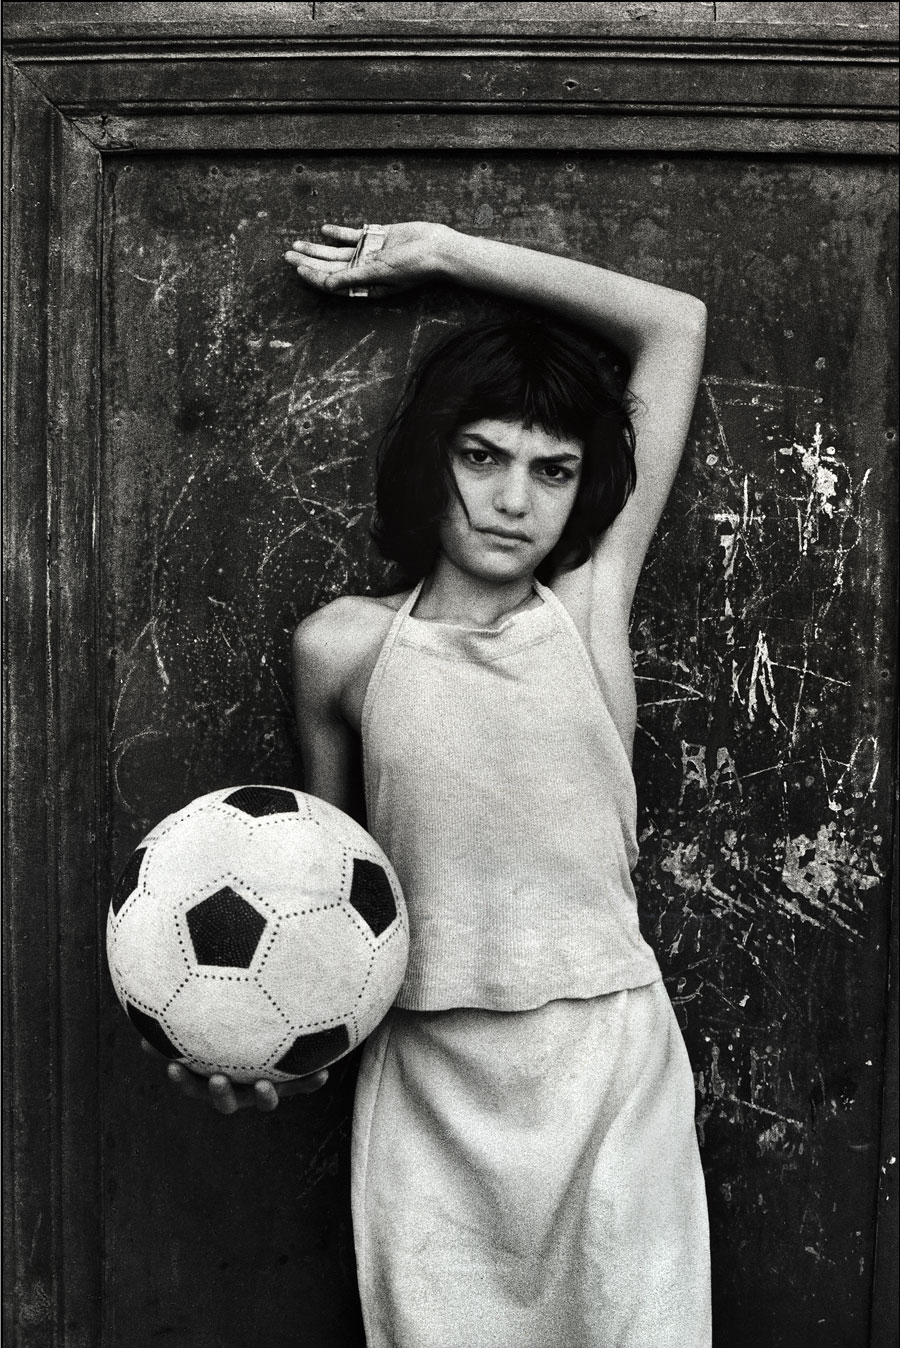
(190, 440)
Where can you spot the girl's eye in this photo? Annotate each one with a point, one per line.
(556, 472)
(478, 457)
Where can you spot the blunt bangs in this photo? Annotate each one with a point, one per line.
(529, 372)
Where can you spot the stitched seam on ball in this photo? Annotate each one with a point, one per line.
(142, 1005)
(246, 891)
(298, 1027)
(268, 950)
(182, 984)
(301, 912)
(367, 977)
(226, 1067)
(360, 923)
(271, 1000)
(200, 974)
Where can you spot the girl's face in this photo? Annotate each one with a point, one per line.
(518, 487)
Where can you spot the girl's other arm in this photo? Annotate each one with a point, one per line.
(661, 331)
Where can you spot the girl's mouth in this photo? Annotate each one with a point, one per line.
(505, 536)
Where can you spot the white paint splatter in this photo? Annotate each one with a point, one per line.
(823, 484)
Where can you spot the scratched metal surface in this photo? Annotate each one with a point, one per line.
(240, 418)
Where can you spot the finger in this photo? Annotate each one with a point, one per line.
(366, 274)
(321, 250)
(187, 1082)
(313, 264)
(222, 1095)
(314, 279)
(342, 232)
(150, 1050)
(265, 1096)
(304, 1085)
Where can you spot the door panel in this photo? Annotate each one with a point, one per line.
(241, 417)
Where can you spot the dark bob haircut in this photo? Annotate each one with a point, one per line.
(528, 371)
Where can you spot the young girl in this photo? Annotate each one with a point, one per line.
(525, 1168)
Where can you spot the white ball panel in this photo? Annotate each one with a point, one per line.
(143, 944)
(317, 967)
(195, 855)
(225, 1024)
(289, 863)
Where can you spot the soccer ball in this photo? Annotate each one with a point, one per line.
(258, 932)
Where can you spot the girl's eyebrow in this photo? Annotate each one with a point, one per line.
(563, 457)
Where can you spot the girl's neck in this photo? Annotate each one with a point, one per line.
(452, 595)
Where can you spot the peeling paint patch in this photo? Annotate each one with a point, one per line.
(695, 874)
(770, 1138)
(830, 874)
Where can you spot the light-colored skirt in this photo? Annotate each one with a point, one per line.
(531, 1179)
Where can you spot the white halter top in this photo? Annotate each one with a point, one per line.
(501, 791)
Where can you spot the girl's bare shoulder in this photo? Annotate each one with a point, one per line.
(342, 639)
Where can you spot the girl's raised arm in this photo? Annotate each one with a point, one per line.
(661, 331)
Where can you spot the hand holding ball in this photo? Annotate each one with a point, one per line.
(258, 933)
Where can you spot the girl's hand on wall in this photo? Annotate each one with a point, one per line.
(225, 1097)
(412, 254)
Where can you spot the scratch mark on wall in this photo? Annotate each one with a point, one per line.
(158, 655)
(121, 751)
(718, 381)
(761, 1109)
(762, 682)
(810, 673)
(853, 769)
(720, 428)
(164, 283)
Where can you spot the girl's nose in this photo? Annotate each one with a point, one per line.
(512, 495)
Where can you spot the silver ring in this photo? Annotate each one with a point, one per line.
(370, 241)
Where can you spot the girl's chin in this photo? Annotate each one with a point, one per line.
(500, 570)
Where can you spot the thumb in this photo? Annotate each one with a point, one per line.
(304, 1085)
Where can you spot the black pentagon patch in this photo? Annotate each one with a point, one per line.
(152, 1031)
(309, 1052)
(128, 879)
(372, 896)
(225, 930)
(259, 800)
